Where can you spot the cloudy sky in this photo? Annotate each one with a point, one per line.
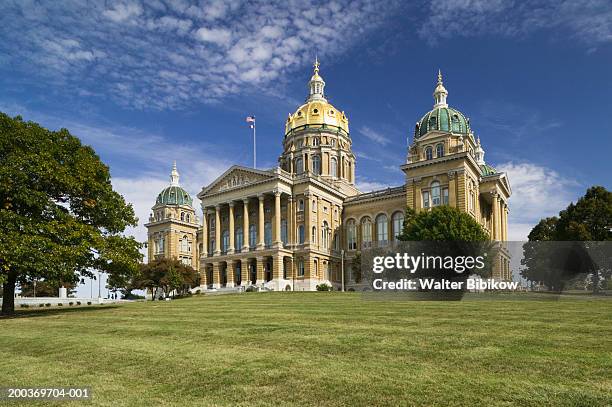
(149, 82)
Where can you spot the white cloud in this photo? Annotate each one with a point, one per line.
(590, 21)
(368, 185)
(169, 54)
(374, 136)
(537, 192)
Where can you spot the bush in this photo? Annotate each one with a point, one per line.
(324, 287)
(24, 306)
(88, 302)
(41, 305)
(251, 289)
(78, 302)
(71, 303)
(48, 304)
(60, 304)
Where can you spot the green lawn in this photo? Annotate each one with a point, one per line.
(318, 349)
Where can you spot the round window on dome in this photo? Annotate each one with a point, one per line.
(300, 113)
(315, 111)
(331, 112)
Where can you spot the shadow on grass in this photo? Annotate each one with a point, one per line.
(45, 312)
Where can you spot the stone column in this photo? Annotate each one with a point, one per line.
(506, 222)
(277, 269)
(216, 275)
(245, 225)
(277, 219)
(261, 278)
(204, 235)
(245, 273)
(203, 276)
(307, 215)
(290, 225)
(495, 223)
(452, 189)
(218, 230)
(230, 271)
(260, 220)
(230, 249)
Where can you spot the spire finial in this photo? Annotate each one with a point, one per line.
(316, 64)
(174, 175)
(440, 92)
(439, 77)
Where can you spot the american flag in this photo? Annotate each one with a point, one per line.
(251, 120)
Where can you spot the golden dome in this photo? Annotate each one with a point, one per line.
(317, 111)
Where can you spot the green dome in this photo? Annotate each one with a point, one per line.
(442, 119)
(487, 170)
(174, 195)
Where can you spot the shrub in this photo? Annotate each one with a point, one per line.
(24, 305)
(324, 287)
(60, 304)
(351, 289)
(198, 292)
(251, 289)
(71, 303)
(287, 287)
(88, 302)
(41, 305)
(78, 302)
(48, 304)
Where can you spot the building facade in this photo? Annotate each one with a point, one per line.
(294, 226)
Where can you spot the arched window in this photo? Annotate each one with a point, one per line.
(313, 236)
(351, 235)
(382, 229)
(428, 153)
(299, 165)
(252, 235)
(183, 216)
(211, 245)
(426, 203)
(432, 123)
(188, 218)
(160, 246)
(268, 233)
(333, 167)
(284, 231)
(301, 205)
(366, 232)
(435, 193)
(316, 164)
(439, 150)
(225, 241)
(300, 268)
(301, 234)
(316, 141)
(456, 125)
(239, 241)
(472, 203)
(184, 244)
(398, 224)
(325, 235)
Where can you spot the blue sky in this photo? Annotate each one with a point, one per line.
(149, 83)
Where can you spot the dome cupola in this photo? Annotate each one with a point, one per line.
(442, 117)
(174, 194)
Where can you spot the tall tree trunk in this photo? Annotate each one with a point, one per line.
(8, 294)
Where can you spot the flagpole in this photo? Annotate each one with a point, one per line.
(254, 147)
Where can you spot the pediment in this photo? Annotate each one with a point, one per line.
(236, 177)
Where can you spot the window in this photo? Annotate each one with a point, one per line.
(284, 231)
(314, 205)
(301, 234)
(444, 196)
(299, 165)
(366, 232)
(316, 164)
(183, 216)
(325, 235)
(211, 249)
(252, 235)
(333, 170)
(268, 233)
(382, 229)
(316, 141)
(225, 241)
(456, 125)
(432, 123)
(184, 244)
(186, 261)
(425, 199)
(313, 236)
(300, 268)
(159, 246)
(301, 205)
(472, 203)
(398, 224)
(439, 150)
(428, 153)
(351, 235)
(332, 142)
(188, 218)
(239, 239)
(435, 193)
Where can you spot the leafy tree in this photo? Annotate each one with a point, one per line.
(59, 214)
(166, 275)
(589, 220)
(442, 223)
(46, 288)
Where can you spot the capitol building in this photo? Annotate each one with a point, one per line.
(294, 226)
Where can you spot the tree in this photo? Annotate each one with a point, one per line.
(167, 275)
(46, 288)
(59, 215)
(589, 220)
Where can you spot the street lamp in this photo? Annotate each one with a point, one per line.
(342, 267)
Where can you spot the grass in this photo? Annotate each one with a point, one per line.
(329, 349)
